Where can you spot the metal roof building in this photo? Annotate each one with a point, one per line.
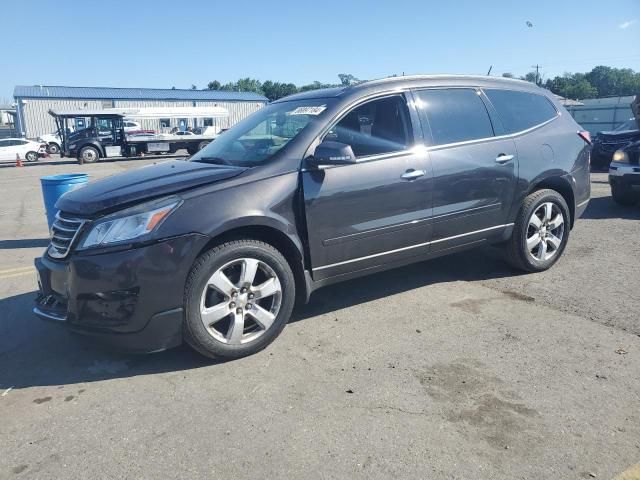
(34, 102)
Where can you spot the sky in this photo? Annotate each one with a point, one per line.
(160, 44)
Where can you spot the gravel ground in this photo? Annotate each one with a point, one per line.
(450, 369)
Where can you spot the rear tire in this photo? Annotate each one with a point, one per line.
(238, 297)
(540, 232)
(624, 195)
(88, 155)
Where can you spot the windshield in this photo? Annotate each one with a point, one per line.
(260, 136)
(628, 125)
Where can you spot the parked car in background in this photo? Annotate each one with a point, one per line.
(216, 250)
(53, 141)
(624, 175)
(605, 144)
(131, 126)
(27, 149)
(210, 130)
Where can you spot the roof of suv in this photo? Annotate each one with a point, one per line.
(390, 83)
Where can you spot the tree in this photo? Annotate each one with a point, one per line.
(508, 75)
(193, 87)
(534, 77)
(276, 90)
(214, 85)
(614, 82)
(347, 79)
(575, 86)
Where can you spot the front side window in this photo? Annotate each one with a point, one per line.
(374, 128)
(520, 110)
(454, 115)
(257, 138)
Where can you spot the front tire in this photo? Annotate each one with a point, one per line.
(540, 232)
(624, 195)
(88, 155)
(53, 148)
(31, 156)
(238, 298)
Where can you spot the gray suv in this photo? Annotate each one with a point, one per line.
(314, 189)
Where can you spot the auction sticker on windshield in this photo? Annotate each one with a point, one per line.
(317, 110)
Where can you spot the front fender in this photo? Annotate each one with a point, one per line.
(214, 210)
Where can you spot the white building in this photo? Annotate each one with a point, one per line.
(34, 102)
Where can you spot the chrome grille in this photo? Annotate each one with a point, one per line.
(64, 231)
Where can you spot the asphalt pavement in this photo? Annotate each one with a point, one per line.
(458, 368)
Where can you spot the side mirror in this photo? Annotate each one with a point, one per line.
(333, 153)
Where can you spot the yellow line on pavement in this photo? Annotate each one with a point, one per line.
(2, 277)
(16, 270)
(632, 473)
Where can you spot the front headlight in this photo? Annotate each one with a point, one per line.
(620, 156)
(134, 223)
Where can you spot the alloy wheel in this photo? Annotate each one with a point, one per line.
(240, 301)
(545, 231)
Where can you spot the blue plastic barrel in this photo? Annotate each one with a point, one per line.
(54, 186)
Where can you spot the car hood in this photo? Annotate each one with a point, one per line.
(144, 183)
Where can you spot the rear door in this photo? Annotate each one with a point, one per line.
(475, 170)
(378, 210)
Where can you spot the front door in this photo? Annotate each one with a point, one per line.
(377, 210)
(475, 167)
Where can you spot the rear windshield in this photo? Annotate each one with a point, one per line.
(521, 110)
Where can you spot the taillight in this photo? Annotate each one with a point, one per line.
(586, 136)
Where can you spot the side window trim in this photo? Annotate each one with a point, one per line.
(496, 122)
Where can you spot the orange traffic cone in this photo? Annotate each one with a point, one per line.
(18, 161)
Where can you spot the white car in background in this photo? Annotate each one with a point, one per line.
(131, 126)
(53, 141)
(27, 149)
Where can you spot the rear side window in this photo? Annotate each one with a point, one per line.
(454, 115)
(521, 110)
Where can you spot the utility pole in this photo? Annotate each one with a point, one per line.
(537, 67)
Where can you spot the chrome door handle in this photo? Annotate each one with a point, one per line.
(503, 158)
(413, 174)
